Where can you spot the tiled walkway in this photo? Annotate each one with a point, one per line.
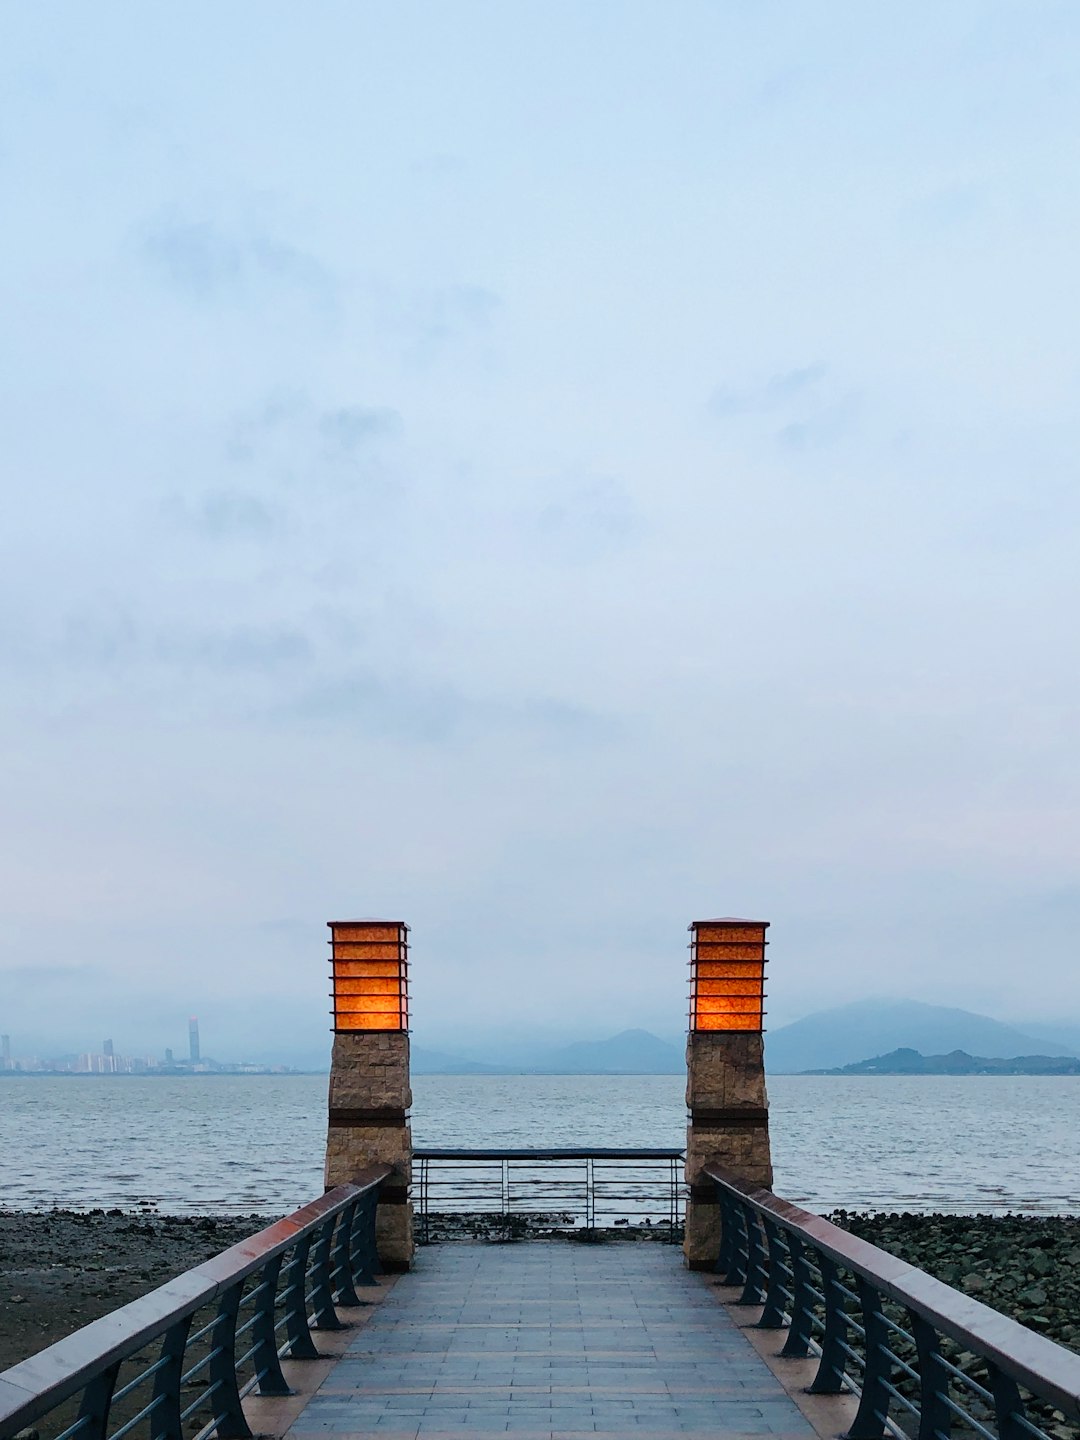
(550, 1340)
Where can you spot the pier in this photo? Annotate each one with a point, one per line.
(344, 1321)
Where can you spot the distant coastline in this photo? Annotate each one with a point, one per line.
(958, 1062)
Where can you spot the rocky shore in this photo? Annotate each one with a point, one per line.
(1027, 1266)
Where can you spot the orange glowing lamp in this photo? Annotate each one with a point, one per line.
(370, 964)
(727, 974)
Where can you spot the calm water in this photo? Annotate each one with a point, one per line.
(254, 1143)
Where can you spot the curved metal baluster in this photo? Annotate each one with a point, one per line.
(935, 1417)
(341, 1277)
(829, 1379)
(297, 1330)
(872, 1418)
(165, 1419)
(1009, 1408)
(754, 1288)
(264, 1355)
(797, 1345)
(229, 1418)
(322, 1299)
(774, 1316)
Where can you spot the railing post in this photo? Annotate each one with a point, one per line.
(268, 1369)
(754, 1288)
(829, 1379)
(165, 1422)
(736, 1271)
(772, 1317)
(229, 1420)
(935, 1418)
(728, 1222)
(797, 1344)
(341, 1274)
(1009, 1409)
(322, 1298)
(362, 1242)
(95, 1404)
(872, 1418)
(297, 1330)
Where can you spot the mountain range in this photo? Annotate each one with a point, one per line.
(827, 1040)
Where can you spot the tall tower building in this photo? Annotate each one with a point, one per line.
(107, 1049)
(5, 1052)
(193, 1035)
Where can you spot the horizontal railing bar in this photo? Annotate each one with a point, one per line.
(1046, 1369)
(549, 1154)
(37, 1385)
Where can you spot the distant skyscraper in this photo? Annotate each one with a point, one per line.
(107, 1049)
(5, 1051)
(193, 1033)
(168, 1057)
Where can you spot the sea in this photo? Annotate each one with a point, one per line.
(217, 1144)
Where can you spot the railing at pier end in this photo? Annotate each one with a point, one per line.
(539, 1191)
(223, 1328)
(923, 1359)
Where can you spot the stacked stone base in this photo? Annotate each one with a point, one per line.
(370, 1097)
(729, 1127)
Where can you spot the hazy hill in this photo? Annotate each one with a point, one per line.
(436, 1062)
(634, 1052)
(847, 1034)
(958, 1062)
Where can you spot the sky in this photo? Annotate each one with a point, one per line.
(548, 473)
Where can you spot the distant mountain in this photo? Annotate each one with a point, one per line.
(958, 1062)
(1060, 1032)
(634, 1052)
(847, 1034)
(435, 1062)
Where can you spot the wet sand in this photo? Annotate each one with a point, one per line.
(61, 1269)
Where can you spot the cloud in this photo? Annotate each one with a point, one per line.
(418, 712)
(353, 426)
(206, 263)
(290, 430)
(226, 514)
(777, 392)
(583, 520)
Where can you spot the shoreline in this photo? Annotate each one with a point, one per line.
(61, 1269)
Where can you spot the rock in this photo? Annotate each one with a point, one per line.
(1036, 1295)
(973, 1283)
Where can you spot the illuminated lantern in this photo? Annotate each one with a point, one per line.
(727, 974)
(370, 964)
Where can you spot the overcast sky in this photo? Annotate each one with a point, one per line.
(547, 472)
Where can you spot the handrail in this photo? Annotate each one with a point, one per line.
(510, 1192)
(332, 1241)
(552, 1153)
(768, 1246)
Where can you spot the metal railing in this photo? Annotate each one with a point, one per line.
(223, 1327)
(923, 1359)
(538, 1191)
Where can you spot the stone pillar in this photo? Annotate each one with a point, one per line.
(370, 1092)
(725, 1081)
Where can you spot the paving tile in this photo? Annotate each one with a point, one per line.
(540, 1341)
